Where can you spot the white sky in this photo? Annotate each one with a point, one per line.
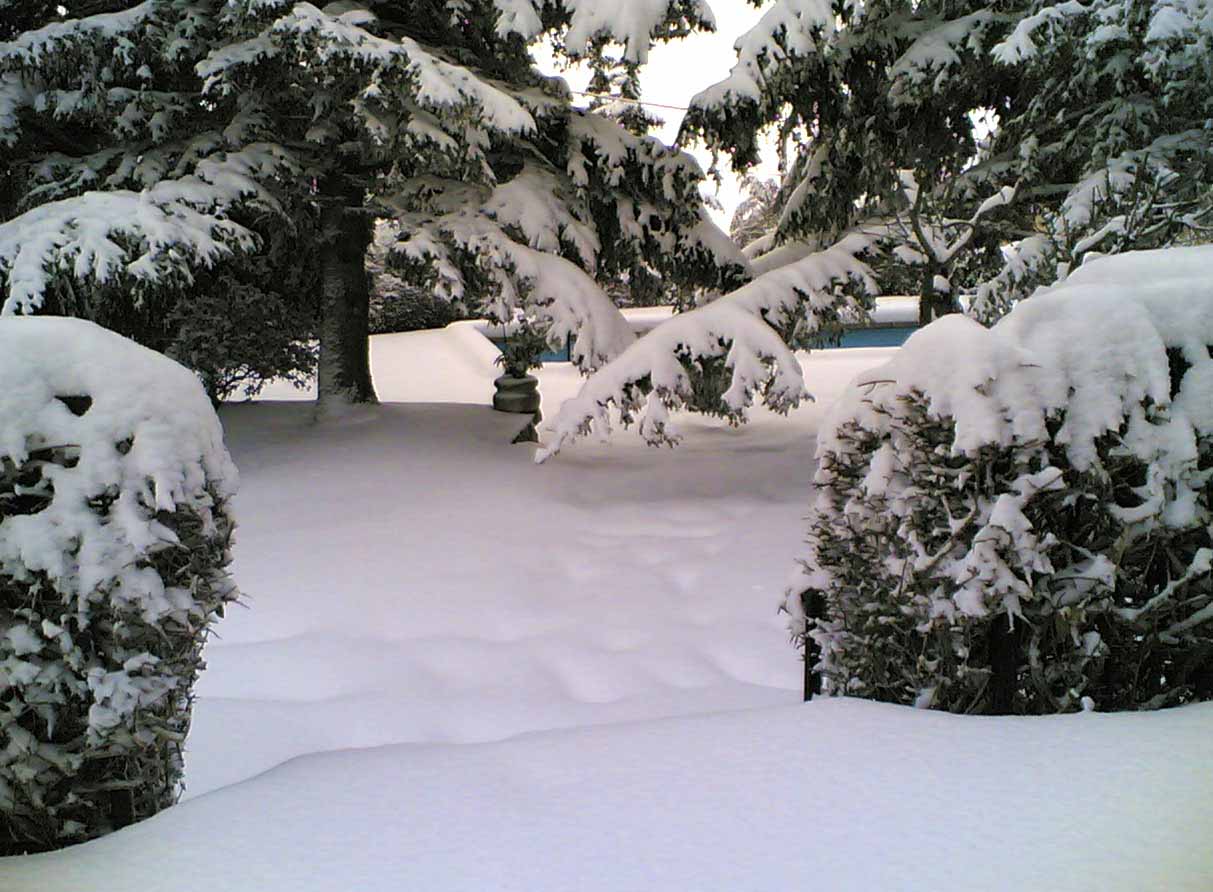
(678, 70)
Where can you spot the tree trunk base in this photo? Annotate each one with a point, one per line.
(344, 367)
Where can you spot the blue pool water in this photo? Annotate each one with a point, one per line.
(546, 356)
(888, 336)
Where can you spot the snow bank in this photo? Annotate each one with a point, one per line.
(758, 800)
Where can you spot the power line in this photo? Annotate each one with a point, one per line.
(629, 101)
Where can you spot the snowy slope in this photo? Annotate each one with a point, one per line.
(463, 671)
(840, 795)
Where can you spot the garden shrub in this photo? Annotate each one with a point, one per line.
(396, 306)
(114, 538)
(1020, 519)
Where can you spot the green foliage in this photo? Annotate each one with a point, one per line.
(409, 309)
(396, 304)
(87, 784)
(115, 538)
(1036, 561)
(1087, 123)
(521, 351)
(251, 320)
(238, 338)
(889, 637)
(238, 325)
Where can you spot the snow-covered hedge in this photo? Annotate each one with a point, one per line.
(114, 536)
(1017, 519)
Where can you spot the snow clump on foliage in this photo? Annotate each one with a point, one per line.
(114, 535)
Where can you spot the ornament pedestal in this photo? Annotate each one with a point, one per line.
(519, 396)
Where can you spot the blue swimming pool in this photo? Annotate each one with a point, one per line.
(883, 336)
(563, 355)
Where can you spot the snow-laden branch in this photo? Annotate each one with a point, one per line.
(535, 203)
(32, 48)
(938, 52)
(739, 331)
(1020, 45)
(633, 23)
(810, 170)
(106, 235)
(604, 143)
(1117, 176)
(16, 93)
(313, 35)
(148, 235)
(442, 85)
(551, 291)
(571, 305)
(788, 29)
(711, 242)
(521, 17)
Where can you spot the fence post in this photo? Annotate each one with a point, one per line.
(812, 604)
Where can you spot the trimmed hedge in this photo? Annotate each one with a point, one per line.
(396, 307)
(115, 535)
(1020, 519)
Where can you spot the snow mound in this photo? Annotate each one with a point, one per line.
(716, 803)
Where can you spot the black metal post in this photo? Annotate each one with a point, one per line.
(812, 605)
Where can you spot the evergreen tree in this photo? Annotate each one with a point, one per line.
(867, 152)
(933, 136)
(950, 129)
(1108, 133)
(757, 216)
(196, 111)
(123, 188)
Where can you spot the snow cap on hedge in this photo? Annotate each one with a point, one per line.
(149, 440)
(1094, 345)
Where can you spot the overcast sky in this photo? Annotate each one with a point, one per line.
(680, 69)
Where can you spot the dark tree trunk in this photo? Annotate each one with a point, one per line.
(1004, 652)
(344, 371)
(932, 304)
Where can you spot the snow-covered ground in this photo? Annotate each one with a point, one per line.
(463, 671)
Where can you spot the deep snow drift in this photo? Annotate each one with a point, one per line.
(461, 671)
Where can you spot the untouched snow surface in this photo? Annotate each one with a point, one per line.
(461, 671)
